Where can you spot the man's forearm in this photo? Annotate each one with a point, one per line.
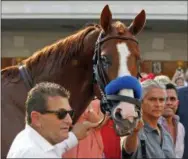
(130, 144)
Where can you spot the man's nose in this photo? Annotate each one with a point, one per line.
(159, 103)
(168, 101)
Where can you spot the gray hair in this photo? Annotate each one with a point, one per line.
(149, 84)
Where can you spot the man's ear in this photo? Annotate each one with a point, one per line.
(36, 118)
(178, 102)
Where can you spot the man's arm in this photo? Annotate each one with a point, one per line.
(79, 132)
(130, 143)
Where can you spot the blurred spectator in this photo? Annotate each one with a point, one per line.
(148, 76)
(171, 122)
(143, 74)
(162, 79)
(179, 81)
(178, 78)
(186, 77)
(183, 114)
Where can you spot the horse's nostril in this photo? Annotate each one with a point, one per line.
(118, 114)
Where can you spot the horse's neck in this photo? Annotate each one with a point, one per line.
(76, 76)
(78, 62)
(78, 81)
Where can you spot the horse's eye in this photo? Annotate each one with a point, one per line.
(106, 61)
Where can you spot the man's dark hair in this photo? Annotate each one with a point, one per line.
(38, 95)
(171, 86)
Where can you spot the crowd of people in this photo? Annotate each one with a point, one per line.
(160, 133)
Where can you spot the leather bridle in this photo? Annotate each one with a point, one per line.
(25, 76)
(101, 78)
(99, 73)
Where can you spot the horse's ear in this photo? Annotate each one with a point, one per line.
(138, 23)
(106, 19)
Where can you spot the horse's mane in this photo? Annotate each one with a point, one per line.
(59, 52)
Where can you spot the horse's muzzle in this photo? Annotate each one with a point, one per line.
(123, 127)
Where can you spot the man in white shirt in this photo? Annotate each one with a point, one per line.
(48, 118)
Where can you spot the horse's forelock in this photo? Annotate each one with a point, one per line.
(120, 27)
(93, 24)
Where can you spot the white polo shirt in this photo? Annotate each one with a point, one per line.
(30, 144)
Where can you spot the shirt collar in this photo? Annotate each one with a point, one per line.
(38, 139)
(162, 119)
(176, 118)
(148, 128)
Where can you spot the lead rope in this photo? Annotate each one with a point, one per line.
(104, 116)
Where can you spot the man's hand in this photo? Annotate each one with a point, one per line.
(81, 130)
(92, 116)
(139, 126)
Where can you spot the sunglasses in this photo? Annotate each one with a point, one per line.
(61, 113)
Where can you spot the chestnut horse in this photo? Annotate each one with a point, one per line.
(69, 62)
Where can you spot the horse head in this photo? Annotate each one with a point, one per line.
(117, 54)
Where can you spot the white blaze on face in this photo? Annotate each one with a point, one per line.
(124, 53)
(128, 110)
